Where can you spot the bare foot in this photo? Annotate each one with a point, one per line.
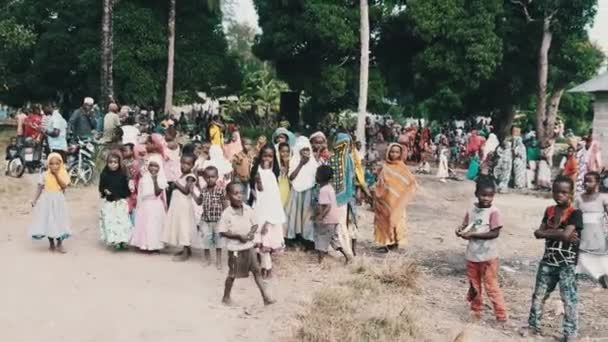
(347, 260)
(227, 301)
(52, 248)
(60, 249)
(269, 301)
(218, 265)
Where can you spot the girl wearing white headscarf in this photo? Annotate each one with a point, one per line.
(302, 171)
(150, 214)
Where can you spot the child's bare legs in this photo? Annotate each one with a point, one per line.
(354, 246)
(60, 248)
(321, 256)
(207, 257)
(347, 258)
(51, 244)
(266, 263)
(227, 289)
(257, 276)
(218, 258)
(184, 254)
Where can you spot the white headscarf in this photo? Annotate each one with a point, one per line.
(306, 177)
(217, 159)
(146, 187)
(490, 145)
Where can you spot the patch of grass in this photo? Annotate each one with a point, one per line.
(371, 305)
(393, 270)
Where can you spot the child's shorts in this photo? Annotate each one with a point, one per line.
(210, 238)
(326, 235)
(241, 263)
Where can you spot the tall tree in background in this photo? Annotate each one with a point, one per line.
(170, 58)
(211, 6)
(363, 73)
(107, 56)
(559, 19)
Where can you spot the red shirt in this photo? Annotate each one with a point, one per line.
(31, 127)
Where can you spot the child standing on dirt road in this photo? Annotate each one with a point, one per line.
(213, 200)
(115, 225)
(327, 216)
(238, 226)
(481, 227)
(180, 225)
(561, 227)
(50, 217)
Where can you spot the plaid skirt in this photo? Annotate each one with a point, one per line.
(241, 263)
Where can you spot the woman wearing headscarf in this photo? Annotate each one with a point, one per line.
(504, 166)
(519, 163)
(283, 135)
(343, 167)
(490, 146)
(299, 209)
(396, 184)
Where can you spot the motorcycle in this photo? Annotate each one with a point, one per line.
(15, 166)
(81, 166)
(29, 155)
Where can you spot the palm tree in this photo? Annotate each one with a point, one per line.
(363, 73)
(170, 58)
(107, 58)
(212, 5)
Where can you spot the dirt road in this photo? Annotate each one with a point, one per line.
(93, 294)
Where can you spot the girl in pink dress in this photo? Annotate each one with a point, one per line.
(150, 213)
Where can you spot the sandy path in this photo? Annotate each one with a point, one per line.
(93, 294)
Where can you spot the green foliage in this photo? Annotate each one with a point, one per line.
(14, 38)
(63, 62)
(314, 46)
(260, 98)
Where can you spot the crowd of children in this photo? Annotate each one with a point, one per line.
(253, 201)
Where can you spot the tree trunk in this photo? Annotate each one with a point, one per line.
(170, 58)
(543, 132)
(504, 121)
(106, 53)
(111, 52)
(551, 113)
(363, 74)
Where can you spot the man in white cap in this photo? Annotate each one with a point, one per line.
(82, 122)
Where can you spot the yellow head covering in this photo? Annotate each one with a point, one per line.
(50, 180)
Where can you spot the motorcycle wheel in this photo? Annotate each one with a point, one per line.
(84, 175)
(15, 168)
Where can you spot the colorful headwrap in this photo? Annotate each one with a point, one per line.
(343, 167)
(291, 139)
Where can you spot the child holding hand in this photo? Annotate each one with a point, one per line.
(481, 227)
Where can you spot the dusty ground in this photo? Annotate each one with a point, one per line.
(94, 294)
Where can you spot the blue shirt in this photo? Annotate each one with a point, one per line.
(59, 142)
